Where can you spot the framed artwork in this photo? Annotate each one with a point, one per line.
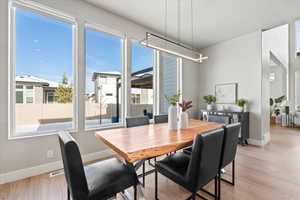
(226, 93)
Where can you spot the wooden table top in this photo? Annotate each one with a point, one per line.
(141, 142)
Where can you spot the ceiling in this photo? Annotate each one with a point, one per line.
(213, 20)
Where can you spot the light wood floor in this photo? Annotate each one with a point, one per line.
(268, 173)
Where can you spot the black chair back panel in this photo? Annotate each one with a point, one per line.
(160, 119)
(136, 121)
(231, 139)
(219, 119)
(73, 167)
(205, 158)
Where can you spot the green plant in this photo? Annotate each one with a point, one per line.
(279, 99)
(241, 102)
(185, 105)
(271, 102)
(173, 99)
(64, 93)
(209, 99)
(275, 105)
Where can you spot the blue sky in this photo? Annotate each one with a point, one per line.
(44, 49)
(297, 35)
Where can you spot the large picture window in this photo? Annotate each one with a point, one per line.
(168, 80)
(43, 73)
(103, 79)
(297, 33)
(141, 102)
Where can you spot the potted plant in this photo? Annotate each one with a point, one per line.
(210, 100)
(241, 103)
(172, 111)
(184, 118)
(276, 105)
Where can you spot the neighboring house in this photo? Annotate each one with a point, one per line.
(106, 89)
(31, 89)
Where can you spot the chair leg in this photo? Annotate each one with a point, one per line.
(192, 197)
(68, 194)
(144, 174)
(232, 182)
(135, 192)
(233, 172)
(156, 185)
(216, 187)
(219, 186)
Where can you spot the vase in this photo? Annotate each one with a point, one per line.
(209, 107)
(183, 120)
(245, 108)
(240, 109)
(172, 117)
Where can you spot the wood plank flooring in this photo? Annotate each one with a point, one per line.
(268, 173)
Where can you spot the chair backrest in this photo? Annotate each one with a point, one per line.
(160, 119)
(219, 119)
(205, 158)
(73, 167)
(136, 121)
(230, 142)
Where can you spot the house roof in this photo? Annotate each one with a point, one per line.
(112, 74)
(139, 79)
(36, 80)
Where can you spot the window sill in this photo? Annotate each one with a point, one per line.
(38, 134)
(105, 127)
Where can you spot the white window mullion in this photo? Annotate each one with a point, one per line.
(127, 78)
(11, 71)
(81, 71)
(156, 82)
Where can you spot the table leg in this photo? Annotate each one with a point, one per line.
(139, 187)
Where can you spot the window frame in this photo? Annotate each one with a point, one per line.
(78, 59)
(39, 9)
(105, 30)
(155, 77)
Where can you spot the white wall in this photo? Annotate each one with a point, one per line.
(190, 85)
(278, 86)
(275, 40)
(237, 60)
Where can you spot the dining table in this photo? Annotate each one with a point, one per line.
(137, 144)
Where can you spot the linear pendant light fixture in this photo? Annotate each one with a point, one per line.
(162, 43)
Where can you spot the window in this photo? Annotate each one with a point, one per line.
(297, 28)
(142, 59)
(103, 79)
(19, 96)
(136, 98)
(29, 96)
(168, 80)
(43, 62)
(52, 97)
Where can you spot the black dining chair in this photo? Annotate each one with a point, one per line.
(139, 121)
(197, 170)
(136, 121)
(229, 149)
(225, 119)
(101, 180)
(160, 119)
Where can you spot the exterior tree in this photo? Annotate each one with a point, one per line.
(64, 91)
(65, 79)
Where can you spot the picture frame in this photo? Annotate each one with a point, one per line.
(226, 93)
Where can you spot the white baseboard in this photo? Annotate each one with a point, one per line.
(45, 168)
(257, 142)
